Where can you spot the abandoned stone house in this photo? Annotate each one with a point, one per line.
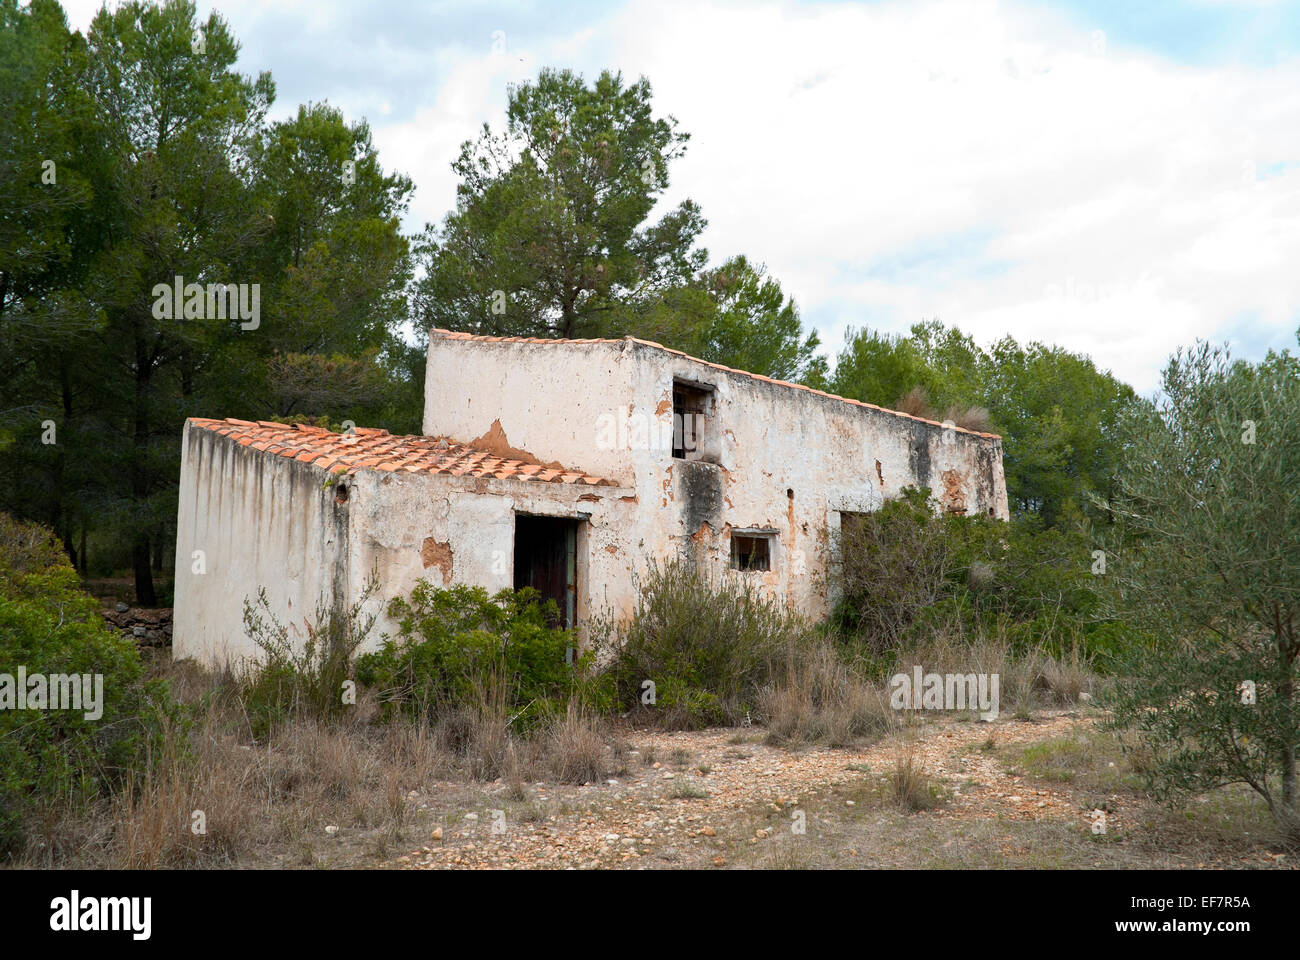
(567, 465)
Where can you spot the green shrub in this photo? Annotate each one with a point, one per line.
(453, 642)
(49, 626)
(894, 563)
(709, 645)
(305, 679)
(907, 573)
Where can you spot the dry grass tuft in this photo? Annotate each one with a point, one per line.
(819, 699)
(911, 787)
(576, 747)
(916, 402)
(1026, 680)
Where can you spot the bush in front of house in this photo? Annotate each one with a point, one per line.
(906, 572)
(709, 644)
(49, 626)
(454, 643)
(301, 679)
(719, 652)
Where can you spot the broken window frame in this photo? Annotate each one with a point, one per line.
(849, 519)
(694, 420)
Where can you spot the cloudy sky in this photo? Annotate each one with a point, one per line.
(1115, 177)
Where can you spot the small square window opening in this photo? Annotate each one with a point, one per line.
(751, 552)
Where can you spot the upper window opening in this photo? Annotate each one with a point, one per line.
(694, 427)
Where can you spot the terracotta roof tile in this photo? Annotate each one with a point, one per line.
(376, 449)
(458, 335)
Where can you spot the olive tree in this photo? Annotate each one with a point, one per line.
(1204, 564)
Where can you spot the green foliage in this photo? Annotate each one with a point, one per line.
(302, 675)
(453, 643)
(906, 571)
(49, 626)
(42, 114)
(312, 382)
(894, 563)
(1056, 412)
(1205, 557)
(334, 267)
(708, 644)
(1059, 416)
(49, 233)
(165, 166)
(552, 211)
(881, 368)
(162, 146)
(753, 326)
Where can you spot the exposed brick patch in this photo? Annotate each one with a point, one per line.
(437, 553)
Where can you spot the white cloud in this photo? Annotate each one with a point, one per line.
(996, 165)
(1105, 203)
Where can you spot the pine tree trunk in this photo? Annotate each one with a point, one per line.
(144, 592)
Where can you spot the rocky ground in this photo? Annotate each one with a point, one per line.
(723, 799)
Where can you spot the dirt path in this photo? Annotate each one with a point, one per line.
(694, 799)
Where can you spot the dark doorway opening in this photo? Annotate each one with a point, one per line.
(546, 559)
(851, 523)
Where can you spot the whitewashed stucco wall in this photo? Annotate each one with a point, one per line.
(265, 521)
(255, 520)
(789, 460)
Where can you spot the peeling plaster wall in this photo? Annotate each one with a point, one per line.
(789, 461)
(260, 521)
(269, 521)
(412, 526)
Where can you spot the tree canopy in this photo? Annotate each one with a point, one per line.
(554, 235)
(552, 213)
(1204, 561)
(1056, 411)
(152, 160)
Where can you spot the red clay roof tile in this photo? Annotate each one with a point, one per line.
(376, 449)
